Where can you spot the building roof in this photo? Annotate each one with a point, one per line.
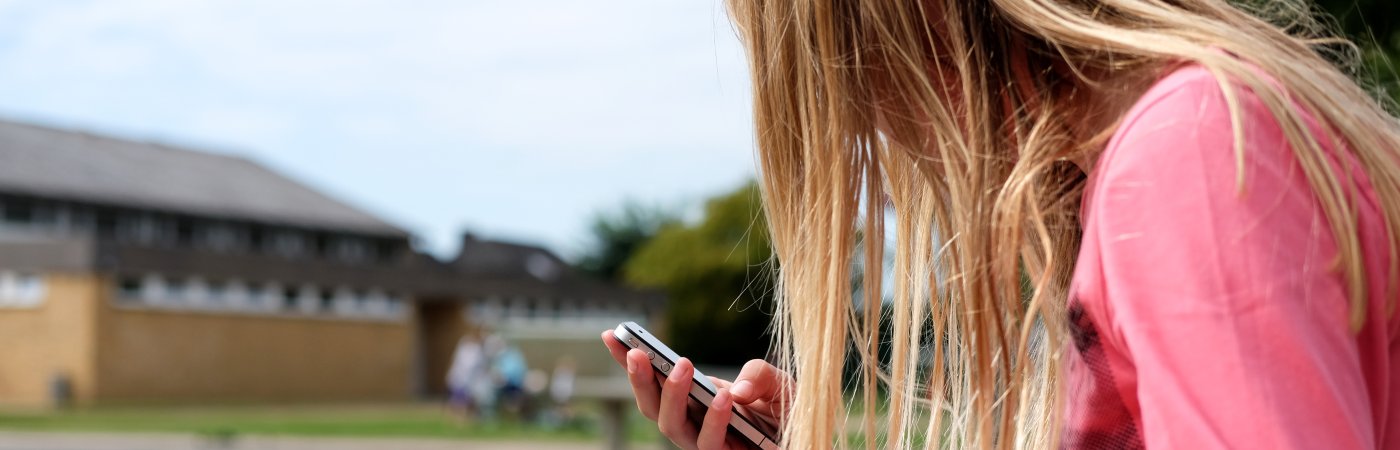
(69, 165)
(487, 267)
(508, 260)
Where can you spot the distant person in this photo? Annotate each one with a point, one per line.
(468, 365)
(486, 388)
(1127, 224)
(537, 405)
(561, 387)
(511, 371)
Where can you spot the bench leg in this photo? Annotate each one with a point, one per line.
(615, 424)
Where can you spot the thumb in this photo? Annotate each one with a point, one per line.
(759, 380)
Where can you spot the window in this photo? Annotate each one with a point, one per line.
(346, 302)
(289, 298)
(490, 310)
(106, 223)
(154, 289)
(376, 303)
(24, 211)
(351, 249)
(144, 228)
(308, 299)
(196, 292)
(268, 297)
(519, 308)
(31, 288)
(255, 292)
(79, 219)
(235, 295)
(19, 211)
(215, 293)
(62, 216)
(395, 306)
(219, 237)
(325, 302)
(175, 292)
(289, 243)
(21, 290)
(567, 308)
(321, 245)
(129, 289)
(184, 232)
(162, 229)
(385, 251)
(255, 238)
(547, 309)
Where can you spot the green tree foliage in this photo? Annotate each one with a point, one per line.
(616, 236)
(1374, 25)
(717, 277)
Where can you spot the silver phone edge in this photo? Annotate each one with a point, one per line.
(739, 422)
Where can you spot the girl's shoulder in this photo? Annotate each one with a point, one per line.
(1184, 175)
(1183, 132)
(1188, 109)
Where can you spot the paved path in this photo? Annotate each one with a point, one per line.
(139, 441)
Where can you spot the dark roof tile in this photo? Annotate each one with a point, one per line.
(60, 164)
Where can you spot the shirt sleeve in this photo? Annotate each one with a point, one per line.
(1226, 303)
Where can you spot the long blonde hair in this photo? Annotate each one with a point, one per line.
(952, 115)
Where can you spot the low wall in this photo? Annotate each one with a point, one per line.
(153, 355)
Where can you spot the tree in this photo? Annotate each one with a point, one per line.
(1374, 25)
(717, 276)
(615, 236)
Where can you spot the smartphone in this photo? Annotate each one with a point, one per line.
(701, 389)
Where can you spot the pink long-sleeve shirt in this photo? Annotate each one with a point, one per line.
(1203, 317)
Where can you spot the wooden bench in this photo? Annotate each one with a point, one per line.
(597, 377)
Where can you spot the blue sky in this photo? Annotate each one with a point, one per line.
(516, 120)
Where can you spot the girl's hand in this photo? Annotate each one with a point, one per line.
(760, 388)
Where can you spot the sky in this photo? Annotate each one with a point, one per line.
(513, 119)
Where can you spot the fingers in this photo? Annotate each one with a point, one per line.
(713, 432)
(668, 403)
(615, 347)
(759, 380)
(671, 416)
(640, 375)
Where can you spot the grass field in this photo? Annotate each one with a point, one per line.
(408, 420)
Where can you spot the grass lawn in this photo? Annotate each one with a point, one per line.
(407, 420)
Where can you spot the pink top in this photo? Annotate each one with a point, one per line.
(1204, 318)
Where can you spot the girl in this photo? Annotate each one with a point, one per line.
(1116, 224)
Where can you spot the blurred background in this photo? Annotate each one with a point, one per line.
(372, 224)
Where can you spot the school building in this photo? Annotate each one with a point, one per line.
(135, 272)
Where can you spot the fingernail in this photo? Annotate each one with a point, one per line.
(631, 366)
(679, 371)
(743, 389)
(722, 400)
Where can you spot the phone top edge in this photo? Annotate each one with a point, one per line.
(633, 335)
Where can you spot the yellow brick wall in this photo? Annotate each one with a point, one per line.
(56, 337)
(155, 355)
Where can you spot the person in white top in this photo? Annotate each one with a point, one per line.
(468, 362)
(561, 387)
